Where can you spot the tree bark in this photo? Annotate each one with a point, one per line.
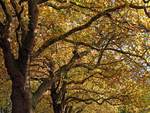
(20, 96)
(58, 98)
(55, 96)
(17, 68)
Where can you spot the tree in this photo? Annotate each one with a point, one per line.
(18, 61)
(16, 68)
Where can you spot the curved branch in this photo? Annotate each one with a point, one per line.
(147, 13)
(82, 27)
(74, 30)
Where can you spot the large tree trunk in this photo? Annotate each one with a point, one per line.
(20, 97)
(17, 68)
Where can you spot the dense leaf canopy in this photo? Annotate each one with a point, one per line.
(79, 56)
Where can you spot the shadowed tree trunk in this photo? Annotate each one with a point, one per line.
(20, 96)
(55, 99)
(17, 67)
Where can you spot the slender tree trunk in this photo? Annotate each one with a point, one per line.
(58, 98)
(56, 105)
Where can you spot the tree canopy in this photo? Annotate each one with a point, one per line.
(75, 56)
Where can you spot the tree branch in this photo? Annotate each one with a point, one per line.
(99, 49)
(82, 27)
(27, 42)
(6, 12)
(46, 84)
(60, 6)
(81, 81)
(5, 44)
(90, 100)
(74, 30)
